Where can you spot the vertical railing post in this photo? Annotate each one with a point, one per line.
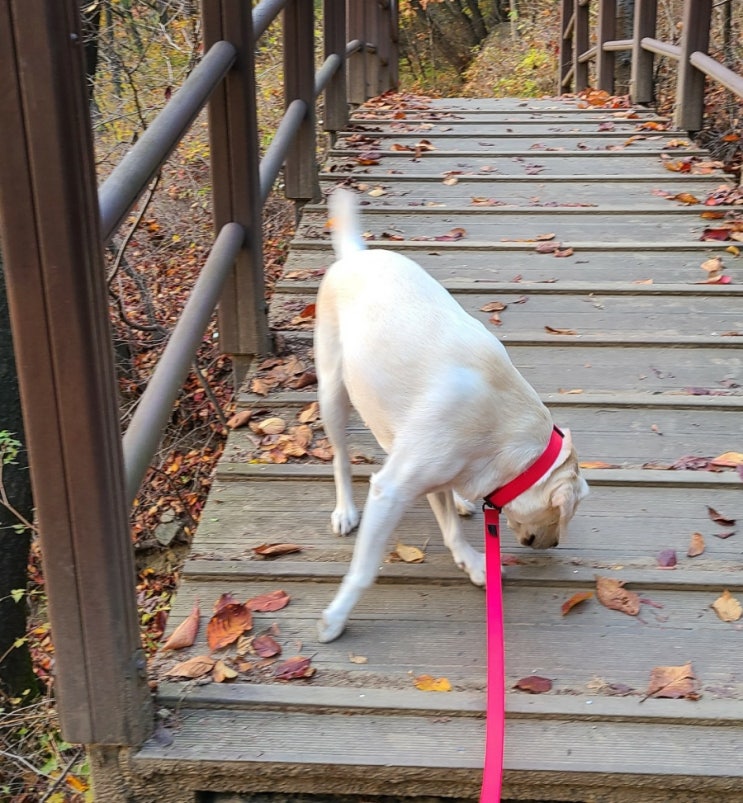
(567, 36)
(334, 43)
(233, 132)
(387, 45)
(357, 62)
(372, 26)
(606, 31)
(582, 39)
(690, 89)
(300, 167)
(58, 301)
(641, 79)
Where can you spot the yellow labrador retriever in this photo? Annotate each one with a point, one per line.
(442, 398)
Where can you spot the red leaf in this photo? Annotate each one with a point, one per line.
(719, 518)
(272, 601)
(667, 559)
(275, 550)
(534, 684)
(227, 625)
(265, 645)
(296, 667)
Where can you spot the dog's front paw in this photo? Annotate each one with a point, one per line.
(344, 520)
(328, 628)
(476, 571)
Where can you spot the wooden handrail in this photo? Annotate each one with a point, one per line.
(54, 224)
(694, 62)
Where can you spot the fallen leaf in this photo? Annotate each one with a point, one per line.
(493, 306)
(611, 593)
(651, 125)
(269, 426)
(227, 625)
(673, 682)
(557, 331)
(724, 535)
(571, 392)
(377, 192)
(239, 419)
(685, 198)
(716, 234)
(271, 601)
(275, 550)
(408, 554)
(599, 464)
(642, 281)
(450, 181)
(563, 252)
(265, 646)
(297, 667)
(548, 247)
(224, 599)
(429, 683)
(310, 413)
(195, 667)
(719, 518)
(185, 634)
(679, 166)
(495, 319)
(357, 659)
(544, 237)
(534, 684)
(728, 459)
(576, 599)
(451, 235)
(727, 607)
(302, 380)
(221, 672)
(696, 546)
(667, 559)
(712, 266)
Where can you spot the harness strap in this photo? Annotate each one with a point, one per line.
(496, 692)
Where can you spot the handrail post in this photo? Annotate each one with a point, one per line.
(641, 79)
(233, 132)
(58, 302)
(607, 30)
(387, 45)
(357, 63)
(334, 27)
(300, 167)
(690, 89)
(581, 42)
(567, 18)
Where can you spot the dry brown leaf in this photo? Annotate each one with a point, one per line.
(227, 625)
(673, 682)
(696, 546)
(450, 181)
(612, 594)
(185, 634)
(408, 554)
(493, 306)
(265, 645)
(275, 550)
(712, 266)
(558, 331)
(563, 252)
(221, 672)
(271, 601)
(598, 464)
(377, 192)
(727, 607)
(642, 281)
(719, 518)
(357, 659)
(570, 392)
(195, 667)
(686, 198)
(297, 667)
(222, 600)
(429, 683)
(239, 419)
(534, 684)
(310, 413)
(576, 599)
(269, 426)
(540, 238)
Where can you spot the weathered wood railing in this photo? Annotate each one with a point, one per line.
(694, 62)
(54, 225)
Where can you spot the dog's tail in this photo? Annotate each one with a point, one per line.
(345, 223)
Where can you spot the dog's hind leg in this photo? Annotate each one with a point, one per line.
(334, 409)
(444, 507)
(384, 508)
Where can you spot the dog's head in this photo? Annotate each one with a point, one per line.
(540, 516)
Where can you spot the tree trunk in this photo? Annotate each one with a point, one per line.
(16, 673)
(478, 21)
(91, 22)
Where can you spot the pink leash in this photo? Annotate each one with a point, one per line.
(496, 695)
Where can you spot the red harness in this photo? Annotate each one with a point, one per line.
(496, 693)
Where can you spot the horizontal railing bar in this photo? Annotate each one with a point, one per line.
(353, 46)
(276, 152)
(588, 55)
(327, 70)
(120, 191)
(264, 14)
(709, 66)
(661, 48)
(618, 44)
(155, 407)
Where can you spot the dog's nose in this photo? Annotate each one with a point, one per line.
(529, 540)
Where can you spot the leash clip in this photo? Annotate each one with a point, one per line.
(491, 514)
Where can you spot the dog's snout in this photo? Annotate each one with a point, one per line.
(529, 540)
